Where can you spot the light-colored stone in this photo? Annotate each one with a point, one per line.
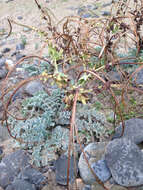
(94, 152)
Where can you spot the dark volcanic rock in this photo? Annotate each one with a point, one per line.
(1, 150)
(139, 78)
(19, 56)
(11, 165)
(4, 135)
(2, 62)
(114, 76)
(3, 73)
(19, 184)
(61, 170)
(33, 87)
(87, 187)
(20, 46)
(20, 17)
(125, 161)
(133, 130)
(106, 13)
(32, 175)
(101, 170)
(5, 50)
(16, 160)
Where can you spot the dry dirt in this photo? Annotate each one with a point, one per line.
(32, 17)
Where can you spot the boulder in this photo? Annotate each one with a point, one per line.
(125, 161)
(32, 175)
(94, 153)
(4, 135)
(19, 184)
(33, 87)
(11, 165)
(133, 130)
(61, 165)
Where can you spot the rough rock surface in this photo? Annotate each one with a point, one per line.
(101, 170)
(32, 175)
(61, 170)
(19, 184)
(3, 133)
(94, 152)
(96, 186)
(33, 87)
(139, 78)
(125, 161)
(11, 165)
(16, 173)
(133, 130)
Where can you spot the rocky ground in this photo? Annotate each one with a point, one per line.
(118, 163)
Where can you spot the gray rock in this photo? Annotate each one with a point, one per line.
(133, 130)
(94, 152)
(19, 17)
(17, 95)
(106, 13)
(33, 87)
(3, 73)
(1, 150)
(2, 43)
(125, 161)
(114, 187)
(114, 76)
(4, 135)
(20, 46)
(11, 165)
(118, 187)
(19, 184)
(9, 1)
(33, 176)
(61, 165)
(6, 176)
(107, 4)
(19, 56)
(16, 160)
(5, 50)
(139, 78)
(2, 62)
(86, 187)
(86, 15)
(101, 170)
(81, 10)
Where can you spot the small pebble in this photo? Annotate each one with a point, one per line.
(19, 17)
(3, 73)
(5, 50)
(20, 46)
(19, 56)
(87, 187)
(1, 150)
(2, 62)
(86, 15)
(9, 1)
(106, 13)
(25, 29)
